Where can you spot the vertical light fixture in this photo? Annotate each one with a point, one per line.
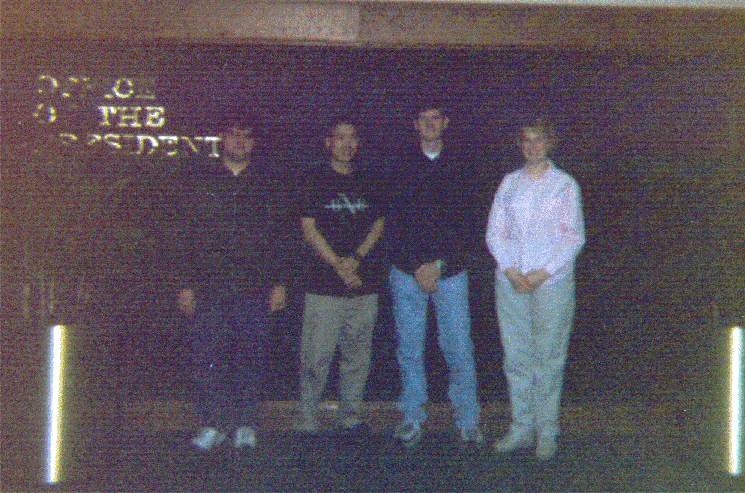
(54, 433)
(735, 402)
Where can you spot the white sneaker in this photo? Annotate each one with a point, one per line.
(513, 441)
(471, 436)
(208, 438)
(546, 448)
(245, 436)
(408, 434)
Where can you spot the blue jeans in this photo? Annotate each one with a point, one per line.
(454, 338)
(228, 353)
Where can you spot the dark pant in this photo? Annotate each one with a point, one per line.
(228, 353)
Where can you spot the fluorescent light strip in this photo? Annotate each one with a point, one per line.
(55, 402)
(735, 403)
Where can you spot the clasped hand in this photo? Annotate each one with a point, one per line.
(346, 268)
(186, 301)
(427, 276)
(526, 283)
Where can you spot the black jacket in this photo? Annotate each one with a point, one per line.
(232, 230)
(429, 212)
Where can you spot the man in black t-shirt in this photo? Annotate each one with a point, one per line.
(342, 222)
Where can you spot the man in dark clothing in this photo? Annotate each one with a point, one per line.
(232, 264)
(428, 245)
(342, 222)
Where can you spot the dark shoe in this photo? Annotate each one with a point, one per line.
(308, 426)
(358, 431)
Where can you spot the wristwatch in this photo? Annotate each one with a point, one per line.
(440, 265)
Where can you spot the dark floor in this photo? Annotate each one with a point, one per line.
(292, 462)
(632, 423)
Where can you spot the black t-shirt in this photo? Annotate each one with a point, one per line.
(345, 208)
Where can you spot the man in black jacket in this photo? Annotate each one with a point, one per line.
(232, 263)
(428, 246)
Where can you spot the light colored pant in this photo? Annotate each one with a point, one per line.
(329, 321)
(453, 335)
(535, 329)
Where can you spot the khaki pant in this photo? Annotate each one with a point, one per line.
(535, 329)
(329, 321)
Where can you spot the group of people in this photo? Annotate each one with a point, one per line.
(415, 239)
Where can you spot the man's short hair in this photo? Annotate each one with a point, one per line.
(241, 120)
(428, 102)
(341, 119)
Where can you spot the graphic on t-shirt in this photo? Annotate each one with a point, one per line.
(342, 202)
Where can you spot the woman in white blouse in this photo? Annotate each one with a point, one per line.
(535, 233)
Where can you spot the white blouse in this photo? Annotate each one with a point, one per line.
(537, 223)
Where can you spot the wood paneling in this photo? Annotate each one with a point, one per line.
(381, 24)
